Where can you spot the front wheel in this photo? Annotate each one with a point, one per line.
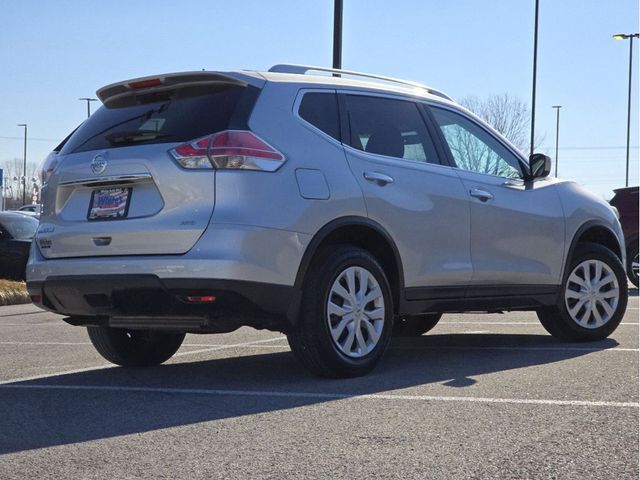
(347, 314)
(134, 348)
(593, 298)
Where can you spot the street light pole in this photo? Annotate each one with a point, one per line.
(337, 34)
(533, 91)
(24, 165)
(630, 37)
(88, 100)
(557, 107)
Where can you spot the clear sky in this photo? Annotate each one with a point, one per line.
(53, 52)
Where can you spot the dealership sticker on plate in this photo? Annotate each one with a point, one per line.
(109, 203)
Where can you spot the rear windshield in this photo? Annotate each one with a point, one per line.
(167, 117)
(20, 227)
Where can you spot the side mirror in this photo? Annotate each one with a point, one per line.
(540, 166)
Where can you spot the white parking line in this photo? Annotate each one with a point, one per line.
(109, 365)
(445, 322)
(469, 347)
(37, 312)
(55, 374)
(321, 395)
(45, 343)
(211, 347)
(222, 347)
(49, 323)
(482, 322)
(521, 349)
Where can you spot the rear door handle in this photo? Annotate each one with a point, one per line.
(482, 195)
(377, 177)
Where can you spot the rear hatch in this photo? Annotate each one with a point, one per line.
(115, 189)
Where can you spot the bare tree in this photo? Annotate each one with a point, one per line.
(507, 114)
(13, 169)
(476, 156)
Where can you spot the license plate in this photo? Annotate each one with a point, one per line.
(109, 204)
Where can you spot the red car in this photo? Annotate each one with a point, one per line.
(626, 201)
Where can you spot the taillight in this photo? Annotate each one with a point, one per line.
(48, 166)
(230, 149)
(193, 154)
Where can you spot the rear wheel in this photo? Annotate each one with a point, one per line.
(593, 297)
(347, 314)
(134, 348)
(633, 263)
(415, 325)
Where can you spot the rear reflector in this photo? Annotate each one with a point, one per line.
(230, 149)
(202, 299)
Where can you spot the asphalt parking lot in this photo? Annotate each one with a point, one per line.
(480, 396)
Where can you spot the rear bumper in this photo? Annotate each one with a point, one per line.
(250, 270)
(225, 251)
(149, 302)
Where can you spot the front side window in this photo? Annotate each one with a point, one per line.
(473, 148)
(393, 128)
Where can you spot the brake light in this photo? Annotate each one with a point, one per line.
(151, 82)
(230, 149)
(202, 299)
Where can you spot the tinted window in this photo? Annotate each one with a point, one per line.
(321, 111)
(394, 128)
(20, 227)
(174, 116)
(473, 148)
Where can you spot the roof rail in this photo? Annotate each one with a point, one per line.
(303, 69)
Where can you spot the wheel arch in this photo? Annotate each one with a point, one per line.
(596, 232)
(359, 231)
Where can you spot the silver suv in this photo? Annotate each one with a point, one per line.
(337, 210)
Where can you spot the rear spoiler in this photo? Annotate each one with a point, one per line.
(116, 93)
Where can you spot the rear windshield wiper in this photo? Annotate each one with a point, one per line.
(119, 138)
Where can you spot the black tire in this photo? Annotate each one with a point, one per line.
(415, 325)
(632, 254)
(134, 348)
(557, 320)
(311, 340)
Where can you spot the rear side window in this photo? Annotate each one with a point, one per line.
(394, 128)
(320, 109)
(166, 117)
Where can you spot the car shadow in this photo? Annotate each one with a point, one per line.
(242, 385)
